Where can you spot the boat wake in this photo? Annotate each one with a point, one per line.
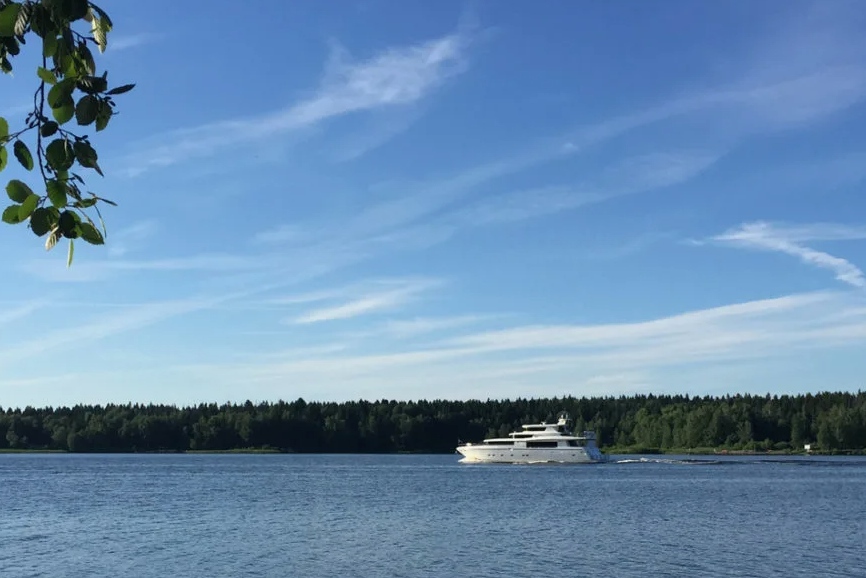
(684, 462)
(797, 461)
(794, 461)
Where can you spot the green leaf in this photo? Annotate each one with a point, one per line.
(60, 154)
(86, 156)
(8, 18)
(64, 113)
(4, 158)
(23, 19)
(92, 84)
(68, 224)
(120, 89)
(48, 128)
(73, 10)
(101, 220)
(86, 110)
(4, 129)
(5, 65)
(90, 234)
(47, 76)
(28, 206)
(84, 203)
(52, 239)
(22, 153)
(18, 191)
(41, 221)
(70, 253)
(40, 22)
(63, 59)
(103, 115)
(57, 193)
(100, 28)
(61, 92)
(10, 214)
(86, 57)
(49, 46)
(109, 25)
(10, 44)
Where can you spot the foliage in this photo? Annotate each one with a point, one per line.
(836, 421)
(68, 88)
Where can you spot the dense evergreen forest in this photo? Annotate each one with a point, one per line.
(833, 421)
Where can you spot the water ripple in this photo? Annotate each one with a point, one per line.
(427, 516)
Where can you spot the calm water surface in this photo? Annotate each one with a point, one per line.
(411, 516)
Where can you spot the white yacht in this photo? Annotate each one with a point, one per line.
(536, 443)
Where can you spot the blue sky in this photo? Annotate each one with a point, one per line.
(459, 200)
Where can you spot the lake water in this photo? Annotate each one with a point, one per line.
(271, 516)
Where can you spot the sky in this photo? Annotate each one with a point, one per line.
(404, 200)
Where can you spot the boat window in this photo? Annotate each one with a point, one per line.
(574, 443)
(531, 444)
(502, 443)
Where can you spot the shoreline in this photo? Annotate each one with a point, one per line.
(611, 451)
(616, 450)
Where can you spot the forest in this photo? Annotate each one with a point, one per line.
(832, 422)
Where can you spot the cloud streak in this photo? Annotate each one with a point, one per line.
(125, 239)
(20, 312)
(368, 303)
(392, 78)
(118, 43)
(766, 95)
(634, 175)
(122, 321)
(764, 236)
(414, 327)
(557, 359)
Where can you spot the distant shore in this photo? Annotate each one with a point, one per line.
(764, 425)
(615, 450)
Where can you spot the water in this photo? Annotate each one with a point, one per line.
(411, 516)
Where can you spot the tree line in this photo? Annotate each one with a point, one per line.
(829, 421)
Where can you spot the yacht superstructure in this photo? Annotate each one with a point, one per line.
(543, 442)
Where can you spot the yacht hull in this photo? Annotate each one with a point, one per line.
(483, 453)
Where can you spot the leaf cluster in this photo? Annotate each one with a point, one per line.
(71, 96)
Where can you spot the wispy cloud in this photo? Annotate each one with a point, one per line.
(767, 95)
(393, 77)
(413, 327)
(556, 359)
(124, 240)
(379, 130)
(420, 220)
(118, 321)
(19, 312)
(281, 235)
(118, 43)
(392, 295)
(89, 271)
(790, 240)
(633, 175)
(569, 336)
